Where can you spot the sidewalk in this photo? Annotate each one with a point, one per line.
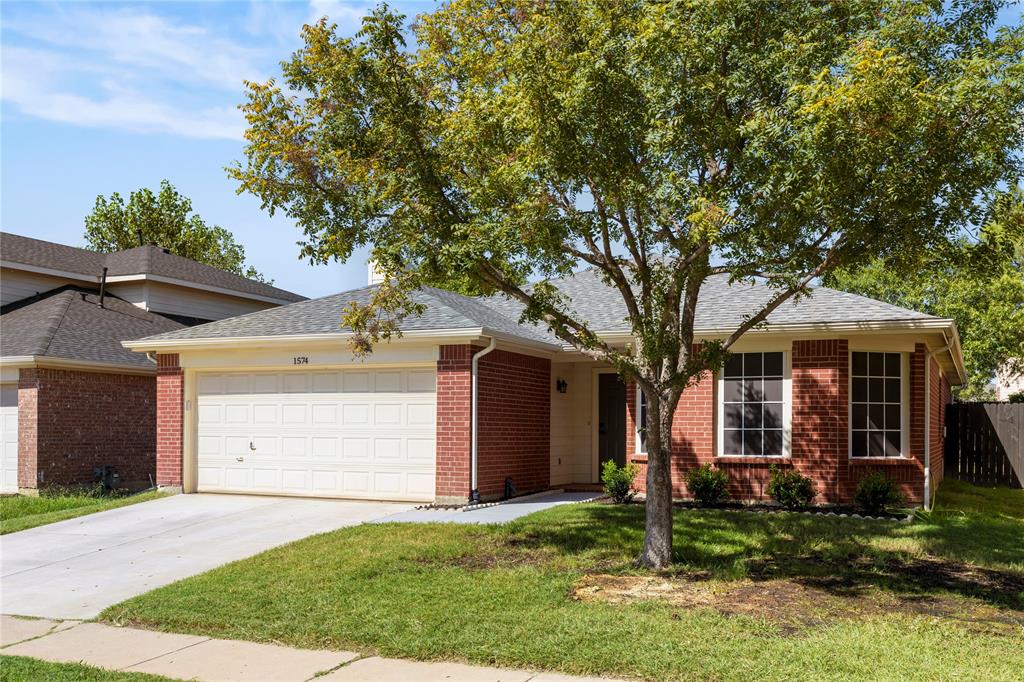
(189, 657)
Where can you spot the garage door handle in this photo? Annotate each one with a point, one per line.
(239, 459)
(252, 447)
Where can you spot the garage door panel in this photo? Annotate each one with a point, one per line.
(366, 433)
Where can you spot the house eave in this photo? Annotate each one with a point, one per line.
(46, 362)
(433, 336)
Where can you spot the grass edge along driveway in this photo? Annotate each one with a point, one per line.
(941, 598)
(21, 512)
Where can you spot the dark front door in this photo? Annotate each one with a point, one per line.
(611, 415)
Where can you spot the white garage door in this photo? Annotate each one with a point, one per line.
(362, 433)
(8, 438)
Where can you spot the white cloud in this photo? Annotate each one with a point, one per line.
(34, 81)
(147, 43)
(347, 15)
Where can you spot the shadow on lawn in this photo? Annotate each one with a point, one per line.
(842, 556)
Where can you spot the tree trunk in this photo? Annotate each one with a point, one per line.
(657, 552)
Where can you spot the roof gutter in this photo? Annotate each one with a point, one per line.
(420, 336)
(474, 492)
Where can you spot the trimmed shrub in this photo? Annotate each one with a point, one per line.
(876, 493)
(791, 489)
(618, 481)
(707, 484)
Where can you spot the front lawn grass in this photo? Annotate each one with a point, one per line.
(22, 669)
(752, 596)
(19, 512)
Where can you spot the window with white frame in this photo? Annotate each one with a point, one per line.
(753, 405)
(641, 424)
(877, 419)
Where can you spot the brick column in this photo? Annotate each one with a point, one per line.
(821, 377)
(28, 428)
(453, 423)
(170, 413)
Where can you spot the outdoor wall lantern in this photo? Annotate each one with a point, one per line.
(561, 385)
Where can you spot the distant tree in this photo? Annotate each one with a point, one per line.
(659, 142)
(979, 283)
(165, 219)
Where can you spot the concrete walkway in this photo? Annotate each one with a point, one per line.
(500, 513)
(189, 657)
(78, 567)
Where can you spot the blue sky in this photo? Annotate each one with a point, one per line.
(105, 97)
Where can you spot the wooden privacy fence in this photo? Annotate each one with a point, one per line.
(985, 443)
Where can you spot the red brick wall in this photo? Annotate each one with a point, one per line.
(820, 444)
(78, 421)
(170, 394)
(28, 398)
(515, 422)
(940, 396)
(693, 435)
(453, 422)
(819, 437)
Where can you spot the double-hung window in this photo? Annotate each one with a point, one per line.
(753, 405)
(877, 406)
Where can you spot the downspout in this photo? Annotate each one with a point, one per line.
(928, 421)
(474, 493)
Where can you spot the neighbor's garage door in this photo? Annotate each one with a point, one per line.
(366, 433)
(8, 438)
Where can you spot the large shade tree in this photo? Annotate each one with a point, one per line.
(164, 218)
(660, 143)
(977, 280)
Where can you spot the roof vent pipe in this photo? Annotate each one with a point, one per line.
(103, 286)
(474, 493)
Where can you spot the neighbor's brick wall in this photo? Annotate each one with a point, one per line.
(28, 398)
(515, 422)
(78, 421)
(820, 420)
(170, 395)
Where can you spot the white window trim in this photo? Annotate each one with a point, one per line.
(641, 448)
(787, 409)
(904, 407)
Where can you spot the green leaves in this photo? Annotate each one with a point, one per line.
(495, 142)
(165, 219)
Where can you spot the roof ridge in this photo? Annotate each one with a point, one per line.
(55, 326)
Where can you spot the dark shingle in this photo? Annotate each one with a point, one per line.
(142, 260)
(721, 307)
(68, 323)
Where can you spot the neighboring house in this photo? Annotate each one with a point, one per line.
(274, 402)
(1008, 383)
(72, 398)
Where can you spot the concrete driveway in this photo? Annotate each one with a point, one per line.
(76, 568)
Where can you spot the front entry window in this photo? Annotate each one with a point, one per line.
(753, 405)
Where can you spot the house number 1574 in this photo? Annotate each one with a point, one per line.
(300, 360)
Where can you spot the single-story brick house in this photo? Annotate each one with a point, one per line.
(73, 400)
(274, 402)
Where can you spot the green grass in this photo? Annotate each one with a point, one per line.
(19, 512)
(21, 669)
(504, 595)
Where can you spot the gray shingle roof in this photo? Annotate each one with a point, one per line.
(68, 323)
(443, 310)
(721, 306)
(143, 260)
